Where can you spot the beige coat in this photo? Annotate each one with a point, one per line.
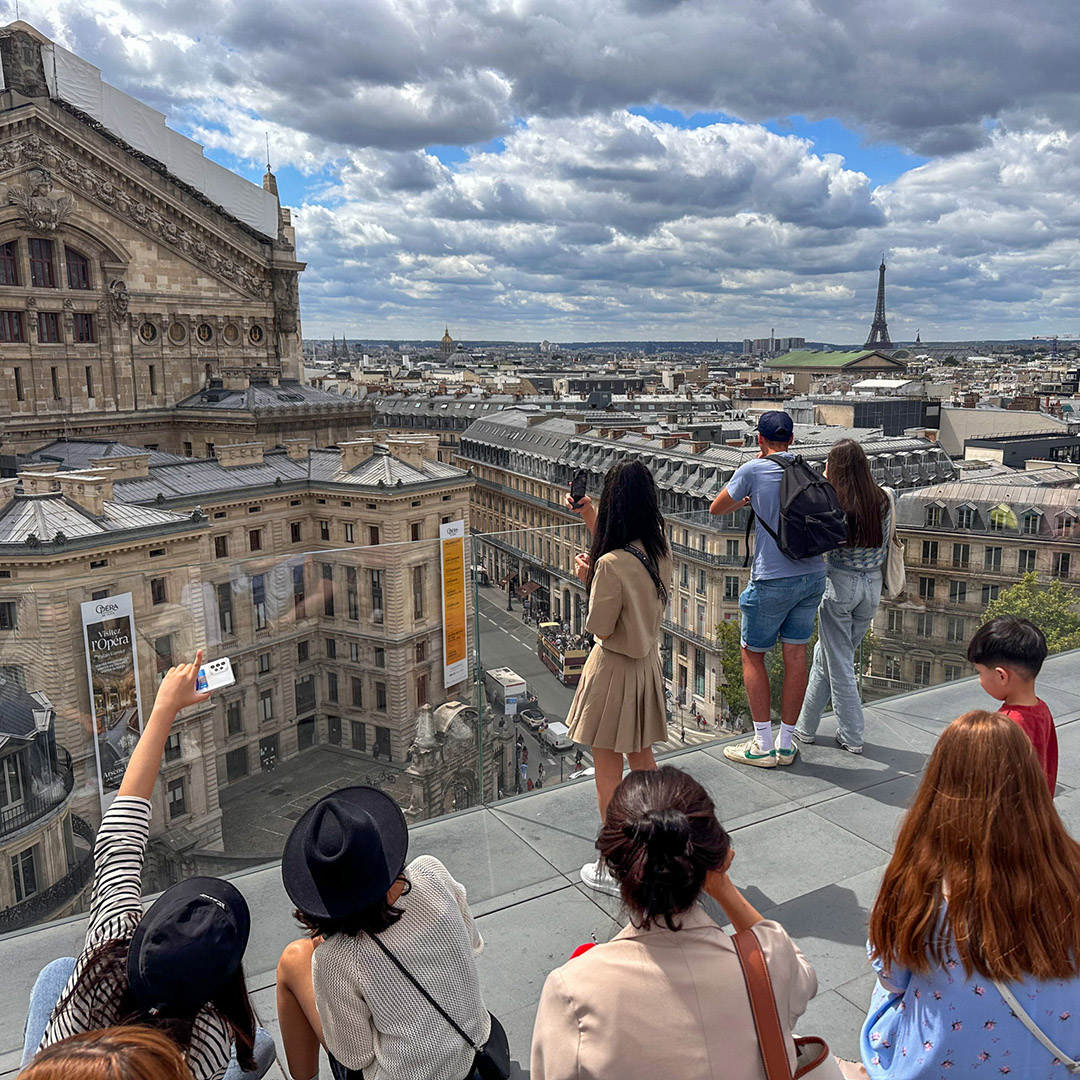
(663, 1005)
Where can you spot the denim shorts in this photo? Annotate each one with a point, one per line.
(781, 608)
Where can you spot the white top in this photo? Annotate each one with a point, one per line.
(115, 911)
(374, 1019)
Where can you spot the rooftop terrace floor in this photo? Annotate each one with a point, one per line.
(811, 844)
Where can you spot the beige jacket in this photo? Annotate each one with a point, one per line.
(624, 609)
(664, 1005)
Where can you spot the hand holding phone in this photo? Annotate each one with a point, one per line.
(577, 488)
(215, 675)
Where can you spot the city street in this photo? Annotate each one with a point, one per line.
(506, 641)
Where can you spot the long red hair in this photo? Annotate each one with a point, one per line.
(115, 1053)
(983, 868)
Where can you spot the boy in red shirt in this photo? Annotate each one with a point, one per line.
(1008, 653)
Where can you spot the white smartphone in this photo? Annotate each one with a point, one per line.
(215, 675)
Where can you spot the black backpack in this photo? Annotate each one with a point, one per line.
(811, 521)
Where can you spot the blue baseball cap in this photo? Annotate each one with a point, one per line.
(775, 426)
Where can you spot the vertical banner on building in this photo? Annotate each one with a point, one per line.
(455, 636)
(112, 671)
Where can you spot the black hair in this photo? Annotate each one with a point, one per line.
(1009, 641)
(372, 920)
(104, 982)
(629, 510)
(660, 838)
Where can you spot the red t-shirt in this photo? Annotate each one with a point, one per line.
(1038, 725)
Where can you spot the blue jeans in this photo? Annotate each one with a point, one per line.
(847, 610)
(781, 608)
(48, 989)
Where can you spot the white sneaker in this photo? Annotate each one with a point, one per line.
(599, 879)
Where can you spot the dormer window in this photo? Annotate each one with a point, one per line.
(1002, 518)
(965, 517)
(1031, 521)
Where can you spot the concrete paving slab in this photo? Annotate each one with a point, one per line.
(799, 853)
(833, 1018)
(874, 813)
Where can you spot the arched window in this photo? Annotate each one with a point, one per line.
(78, 270)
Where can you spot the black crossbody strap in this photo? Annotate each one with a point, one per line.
(442, 1012)
(661, 588)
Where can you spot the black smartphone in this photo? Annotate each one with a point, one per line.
(577, 487)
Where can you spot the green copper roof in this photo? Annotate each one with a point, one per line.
(814, 360)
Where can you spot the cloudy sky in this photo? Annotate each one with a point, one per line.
(629, 169)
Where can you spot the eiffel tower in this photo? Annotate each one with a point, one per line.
(879, 331)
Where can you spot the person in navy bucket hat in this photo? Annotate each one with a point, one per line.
(365, 912)
(775, 426)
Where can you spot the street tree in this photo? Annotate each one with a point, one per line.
(1054, 608)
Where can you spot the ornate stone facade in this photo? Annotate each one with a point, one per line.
(124, 290)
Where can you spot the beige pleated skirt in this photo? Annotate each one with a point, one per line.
(619, 703)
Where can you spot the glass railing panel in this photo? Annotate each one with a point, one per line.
(347, 671)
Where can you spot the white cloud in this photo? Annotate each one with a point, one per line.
(595, 222)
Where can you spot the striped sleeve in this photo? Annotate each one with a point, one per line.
(116, 899)
(211, 1045)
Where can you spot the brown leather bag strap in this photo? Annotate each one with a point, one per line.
(770, 1035)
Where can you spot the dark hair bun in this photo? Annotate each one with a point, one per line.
(660, 838)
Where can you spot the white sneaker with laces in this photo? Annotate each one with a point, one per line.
(600, 880)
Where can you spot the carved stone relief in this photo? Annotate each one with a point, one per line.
(39, 209)
(52, 159)
(286, 301)
(118, 299)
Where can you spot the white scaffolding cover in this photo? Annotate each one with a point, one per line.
(79, 83)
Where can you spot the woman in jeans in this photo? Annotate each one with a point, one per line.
(852, 595)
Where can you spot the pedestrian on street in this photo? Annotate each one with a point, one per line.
(852, 595)
(524, 754)
(618, 708)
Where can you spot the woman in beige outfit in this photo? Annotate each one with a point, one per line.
(666, 996)
(619, 707)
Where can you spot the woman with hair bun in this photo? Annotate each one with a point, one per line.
(115, 1053)
(666, 996)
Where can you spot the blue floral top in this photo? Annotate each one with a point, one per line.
(943, 1025)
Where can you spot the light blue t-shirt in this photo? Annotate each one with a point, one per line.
(760, 479)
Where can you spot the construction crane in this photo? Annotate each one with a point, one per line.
(1053, 339)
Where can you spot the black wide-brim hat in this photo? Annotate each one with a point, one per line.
(188, 945)
(345, 853)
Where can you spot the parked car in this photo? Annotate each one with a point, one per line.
(556, 737)
(533, 716)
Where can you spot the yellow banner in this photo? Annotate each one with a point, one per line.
(455, 632)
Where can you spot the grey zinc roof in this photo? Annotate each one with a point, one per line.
(198, 477)
(288, 394)
(78, 453)
(44, 516)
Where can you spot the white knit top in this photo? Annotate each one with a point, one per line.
(374, 1019)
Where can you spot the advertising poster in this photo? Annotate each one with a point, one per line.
(455, 637)
(112, 671)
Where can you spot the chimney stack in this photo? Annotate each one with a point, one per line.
(355, 453)
(89, 490)
(297, 449)
(233, 455)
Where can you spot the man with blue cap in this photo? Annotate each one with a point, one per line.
(779, 603)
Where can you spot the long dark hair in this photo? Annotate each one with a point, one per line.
(104, 981)
(859, 497)
(629, 511)
(660, 839)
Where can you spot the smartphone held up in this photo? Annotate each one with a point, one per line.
(577, 487)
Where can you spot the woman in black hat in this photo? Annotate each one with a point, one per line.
(178, 967)
(370, 919)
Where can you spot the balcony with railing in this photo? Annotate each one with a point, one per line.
(50, 792)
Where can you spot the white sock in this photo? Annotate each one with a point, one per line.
(786, 731)
(764, 735)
